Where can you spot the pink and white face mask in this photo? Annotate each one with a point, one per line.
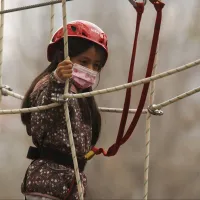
(83, 77)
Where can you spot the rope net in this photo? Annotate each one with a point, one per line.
(153, 108)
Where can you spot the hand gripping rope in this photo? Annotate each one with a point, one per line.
(120, 138)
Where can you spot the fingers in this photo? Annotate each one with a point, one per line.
(64, 73)
(65, 62)
(64, 69)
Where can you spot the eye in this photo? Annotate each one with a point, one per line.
(83, 62)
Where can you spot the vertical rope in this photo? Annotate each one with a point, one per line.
(147, 132)
(148, 129)
(71, 140)
(52, 21)
(1, 46)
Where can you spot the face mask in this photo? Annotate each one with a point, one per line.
(83, 77)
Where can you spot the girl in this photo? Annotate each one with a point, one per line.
(51, 174)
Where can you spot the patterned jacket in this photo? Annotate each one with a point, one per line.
(48, 128)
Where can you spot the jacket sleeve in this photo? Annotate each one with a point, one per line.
(43, 90)
(42, 122)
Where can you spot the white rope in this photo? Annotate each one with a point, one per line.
(136, 83)
(148, 133)
(120, 110)
(175, 99)
(13, 94)
(120, 87)
(1, 46)
(28, 110)
(71, 140)
(102, 109)
(52, 21)
(147, 152)
(31, 6)
(53, 105)
(148, 130)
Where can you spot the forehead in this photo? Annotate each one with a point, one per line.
(92, 53)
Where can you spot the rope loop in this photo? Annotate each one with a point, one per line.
(135, 4)
(157, 4)
(7, 88)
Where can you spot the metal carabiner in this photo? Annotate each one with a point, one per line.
(133, 2)
(154, 111)
(6, 87)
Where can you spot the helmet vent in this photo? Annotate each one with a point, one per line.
(84, 34)
(73, 28)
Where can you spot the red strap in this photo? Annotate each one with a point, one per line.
(120, 139)
(114, 148)
(140, 9)
(158, 6)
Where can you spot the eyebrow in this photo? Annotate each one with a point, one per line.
(85, 57)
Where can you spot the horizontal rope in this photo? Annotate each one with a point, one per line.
(13, 94)
(102, 109)
(108, 90)
(136, 83)
(31, 6)
(27, 110)
(175, 99)
(119, 110)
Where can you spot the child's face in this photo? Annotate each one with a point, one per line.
(90, 59)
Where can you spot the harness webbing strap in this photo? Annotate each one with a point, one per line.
(158, 6)
(120, 138)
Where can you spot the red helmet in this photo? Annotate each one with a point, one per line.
(81, 29)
